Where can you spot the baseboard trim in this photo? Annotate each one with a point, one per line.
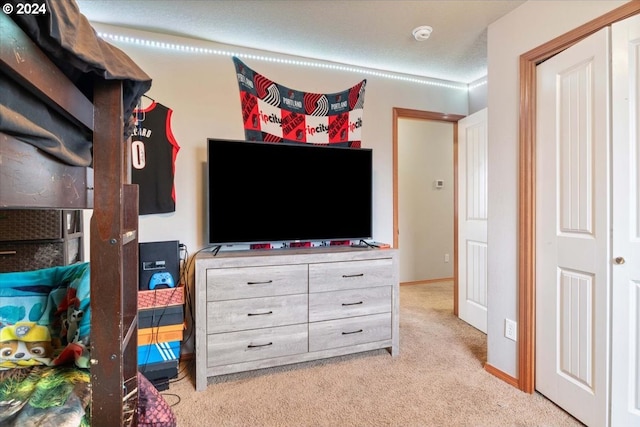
(501, 375)
(422, 282)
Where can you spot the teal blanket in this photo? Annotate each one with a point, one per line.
(45, 317)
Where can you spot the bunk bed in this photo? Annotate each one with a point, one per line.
(66, 103)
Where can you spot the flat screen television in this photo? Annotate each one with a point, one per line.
(261, 192)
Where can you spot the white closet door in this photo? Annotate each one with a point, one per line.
(472, 220)
(625, 358)
(573, 229)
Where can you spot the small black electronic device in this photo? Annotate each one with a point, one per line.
(159, 265)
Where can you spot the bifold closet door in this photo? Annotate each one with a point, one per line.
(625, 313)
(573, 201)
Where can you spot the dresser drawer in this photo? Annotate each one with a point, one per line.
(257, 344)
(349, 303)
(251, 313)
(350, 274)
(252, 282)
(349, 331)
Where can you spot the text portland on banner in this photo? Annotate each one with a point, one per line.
(275, 113)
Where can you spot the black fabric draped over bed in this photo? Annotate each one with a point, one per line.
(70, 42)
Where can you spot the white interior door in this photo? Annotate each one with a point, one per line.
(472, 220)
(625, 318)
(573, 229)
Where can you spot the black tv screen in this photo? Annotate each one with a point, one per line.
(275, 192)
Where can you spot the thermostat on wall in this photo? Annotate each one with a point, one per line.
(439, 183)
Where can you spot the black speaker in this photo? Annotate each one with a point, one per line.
(159, 265)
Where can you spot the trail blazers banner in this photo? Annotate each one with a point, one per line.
(275, 113)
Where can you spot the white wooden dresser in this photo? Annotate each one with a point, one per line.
(264, 308)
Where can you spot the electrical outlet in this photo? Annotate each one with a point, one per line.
(446, 257)
(511, 329)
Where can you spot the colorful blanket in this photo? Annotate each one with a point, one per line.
(44, 397)
(275, 113)
(45, 317)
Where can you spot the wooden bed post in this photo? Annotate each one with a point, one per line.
(114, 267)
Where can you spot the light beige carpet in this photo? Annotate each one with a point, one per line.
(437, 380)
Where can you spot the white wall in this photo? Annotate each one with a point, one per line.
(203, 92)
(425, 217)
(478, 91)
(528, 26)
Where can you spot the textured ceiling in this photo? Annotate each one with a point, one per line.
(374, 34)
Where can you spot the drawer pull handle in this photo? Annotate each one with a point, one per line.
(351, 303)
(259, 345)
(352, 275)
(260, 283)
(8, 252)
(259, 314)
(352, 332)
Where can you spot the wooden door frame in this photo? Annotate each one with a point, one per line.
(405, 113)
(527, 183)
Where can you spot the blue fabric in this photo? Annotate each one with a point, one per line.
(57, 298)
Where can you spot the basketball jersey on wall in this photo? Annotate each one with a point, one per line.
(153, 155)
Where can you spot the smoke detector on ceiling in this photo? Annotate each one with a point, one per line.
(422, 33)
